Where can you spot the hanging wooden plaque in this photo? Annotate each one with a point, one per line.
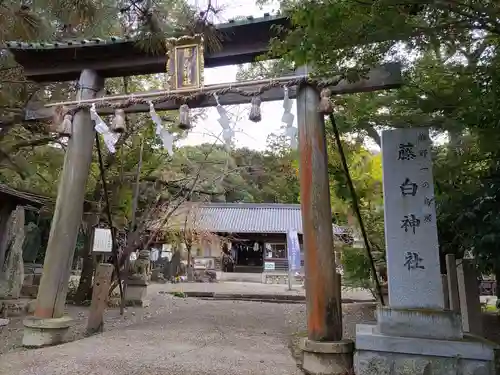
(185, 62)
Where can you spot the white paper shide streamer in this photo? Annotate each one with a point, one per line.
(287, 118)
(110, 138)
(225, 123)
(166, 138)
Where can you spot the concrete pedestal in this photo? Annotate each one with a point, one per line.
(377, 354)
(415, 335)
(327, 358)
(420, 323)
(136, 293)
(44, 332)
(421, 342)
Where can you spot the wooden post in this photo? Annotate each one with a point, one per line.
(324, 315)
(100, 293)
(69, 206)
(451, 271)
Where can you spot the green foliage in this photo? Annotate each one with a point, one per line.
(50, 20)
(179, 294)
(242, 175)
(356, 266)
(365, 170)
(449, 52)
(333, 33)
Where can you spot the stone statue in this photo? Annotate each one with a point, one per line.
(12, 269)
(141, 266)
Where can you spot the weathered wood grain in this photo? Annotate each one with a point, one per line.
(100, 293)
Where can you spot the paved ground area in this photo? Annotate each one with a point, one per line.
(253, 288)
(181, 336)
(11, 335)
(193, 337)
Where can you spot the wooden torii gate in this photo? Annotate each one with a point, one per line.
(91, 61)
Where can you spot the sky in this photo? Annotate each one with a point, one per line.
(247, 133)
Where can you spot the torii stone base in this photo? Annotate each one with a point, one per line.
(45, 332)
(327, 358)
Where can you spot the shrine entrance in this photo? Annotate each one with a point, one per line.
(249, 257)
(92, 61)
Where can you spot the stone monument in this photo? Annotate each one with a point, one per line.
(415, 334)
(138, 281)
(12, 267)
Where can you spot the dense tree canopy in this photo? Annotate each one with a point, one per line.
(449, 52)
(451, 67)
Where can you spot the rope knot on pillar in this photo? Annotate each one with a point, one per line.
(325, 104)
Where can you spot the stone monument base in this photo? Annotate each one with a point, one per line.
(44, 332)
(419, 323)
(378, 353)
(327, 358)
(136, 293)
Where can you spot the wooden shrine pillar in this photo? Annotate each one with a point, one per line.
(48, 324)
(324, 350)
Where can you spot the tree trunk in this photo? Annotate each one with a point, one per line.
(189, 270)
(84, 292)
(497, 279)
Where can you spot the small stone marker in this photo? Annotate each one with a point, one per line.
(410, 220)
(451, 274)
(470, 305)
(12, 267)
(100, 292)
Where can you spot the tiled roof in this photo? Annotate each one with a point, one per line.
(21, 45)
(25, 197)
(33, 199)
(250, 218)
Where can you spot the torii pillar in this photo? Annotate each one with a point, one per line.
(48, 325)
(324, 350)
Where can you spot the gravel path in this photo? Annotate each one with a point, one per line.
(178, 336)
(255, 288)
(11, 335)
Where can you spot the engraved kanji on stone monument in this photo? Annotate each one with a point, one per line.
(414, 275)
(408, 187)
(413, 261)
